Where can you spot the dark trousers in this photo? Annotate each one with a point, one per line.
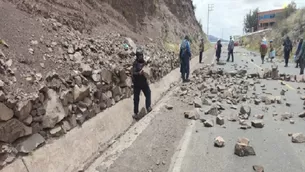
(263, 58)
(136, 97)
(200, 56)
(185, 68)
(229, 54)
(286, 57)
(302, 65)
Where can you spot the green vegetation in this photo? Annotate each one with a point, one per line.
(251, 20)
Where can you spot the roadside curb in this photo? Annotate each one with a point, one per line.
(82, 145)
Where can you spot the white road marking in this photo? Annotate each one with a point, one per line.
(177, 159)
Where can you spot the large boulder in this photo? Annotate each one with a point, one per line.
(54, 110)
(5, 113)
(31, 143)
(12, 130)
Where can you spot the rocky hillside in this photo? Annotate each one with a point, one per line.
(294, 27)
(66, 61)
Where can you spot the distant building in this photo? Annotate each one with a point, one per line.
(267, 19)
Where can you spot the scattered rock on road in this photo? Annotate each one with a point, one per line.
(258, 168)
(257, 124)
(259, 116)
(197, 103)
(220, 120)
(242, 148)
(209, 123)
(219, 142)
(298, 138)
(302, 115)
(245, 109)
(30, 143)
(169, 107)
(291, 121)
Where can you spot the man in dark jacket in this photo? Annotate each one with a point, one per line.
(231, 49)
(287, 50)
(201, 49)
(185, 57)
(140, 83)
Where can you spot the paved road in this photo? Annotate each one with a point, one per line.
(168, 142)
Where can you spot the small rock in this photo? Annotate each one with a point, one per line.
(31, 143)
(259, 116)
(289, 134)
(288, 104)
(42, 65)
(220, 120)
(209, 123)
(257, 101)
(197, 103)
(257, 124)
(258, 168)
(213, 110)
(242, 150)
(233, 107)
(302, 115)
(206, 102)
(169, 107)
(244, 109)
(56, 132)
(219, 142)
(28, 120)
(291, 121)
(298, 138)
(283, 92)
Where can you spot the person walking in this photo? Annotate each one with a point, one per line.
(287, 50)
(185, 57)
(301, 57)
(297, 52)
(218, 50)
(140, 83)
(231, 49)
(263, 49)
(272, 51)
(201, 49)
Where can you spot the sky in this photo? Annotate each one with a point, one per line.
(228, 15)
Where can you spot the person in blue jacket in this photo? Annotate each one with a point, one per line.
(185, 57)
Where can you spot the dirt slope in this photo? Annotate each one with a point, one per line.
(67, 61)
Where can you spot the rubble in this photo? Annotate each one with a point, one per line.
(169, 107)
(298, 138)
(219, 142)
(12, 130)
(257, 124)
(6, 113)
(31, 143)
(220, 120)
(258, 168)
(242, 148)
(209, 123)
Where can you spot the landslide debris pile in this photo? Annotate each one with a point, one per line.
(61, 70)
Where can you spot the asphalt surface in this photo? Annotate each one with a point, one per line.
(174, 144)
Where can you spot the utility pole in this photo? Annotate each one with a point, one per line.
(210, 8)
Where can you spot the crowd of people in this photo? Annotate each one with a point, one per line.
(140, 80)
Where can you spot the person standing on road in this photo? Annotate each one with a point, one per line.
(272, 51)
(201, 49)
(298, 51)
(185, 57)
(218, 50)
(140, 83)
(287, 50)
(263, 49)
(231, 49)
(301, 57)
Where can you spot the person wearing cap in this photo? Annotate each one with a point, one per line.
(140, 83)
(272, 51)
(287, 50)
(263, 49)
(185, 57)
(298, 51)
(201, 49)
(231, 49)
